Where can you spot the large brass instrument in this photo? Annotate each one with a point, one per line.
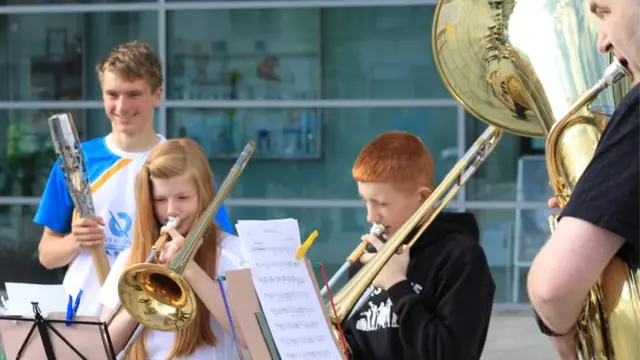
(527, 67)
(157, 295)
(345, 300)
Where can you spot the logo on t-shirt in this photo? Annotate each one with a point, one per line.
(378, 312)
(119, 225)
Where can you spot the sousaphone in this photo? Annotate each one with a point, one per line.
(531, 68)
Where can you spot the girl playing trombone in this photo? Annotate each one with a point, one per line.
(176, 181)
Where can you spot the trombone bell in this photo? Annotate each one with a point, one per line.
(157, 297)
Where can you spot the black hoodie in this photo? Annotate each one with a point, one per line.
(442, 310)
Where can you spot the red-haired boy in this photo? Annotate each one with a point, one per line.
(433, 301)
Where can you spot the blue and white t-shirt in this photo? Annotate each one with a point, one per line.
(112, 175)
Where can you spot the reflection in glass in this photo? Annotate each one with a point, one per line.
(496, 237)
(243, 54)
(53, 56)
(495, 180)
(563, 52)
(277, 133)
(532, 225)
(302, 53)
(26, 153)
(19, 238)
(533, 179)
(522, 296)
(344, 132)
(532, 232)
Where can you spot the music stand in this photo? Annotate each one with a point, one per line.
(54, 344)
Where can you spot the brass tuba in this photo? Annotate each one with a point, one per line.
(528, 67)
(156, 295)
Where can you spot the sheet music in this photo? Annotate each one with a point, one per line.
(50, 298)
(285, 290)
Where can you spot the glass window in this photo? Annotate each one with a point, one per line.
(49, 2)
(302, 53)
(343, 134)
(26, 153)
(495, 180)
(53, 56)
(19, 238)
(496, 237)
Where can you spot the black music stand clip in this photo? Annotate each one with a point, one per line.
(46, 330)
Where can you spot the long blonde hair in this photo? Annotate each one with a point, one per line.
(176, 157)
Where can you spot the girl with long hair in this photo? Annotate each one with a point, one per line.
(176, 181)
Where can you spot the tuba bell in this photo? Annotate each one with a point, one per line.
(529, 68)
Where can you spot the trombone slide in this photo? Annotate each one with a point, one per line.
(376, 230)
(162, 286)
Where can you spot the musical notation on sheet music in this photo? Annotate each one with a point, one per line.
(287, 296)
(297, 326)
(286, 291)
(309, 355)
(275, 251)
(281, 280)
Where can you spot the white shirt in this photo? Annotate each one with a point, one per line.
(112, 174)
(159, 343)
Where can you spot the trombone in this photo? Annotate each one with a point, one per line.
(376, 230)
(356, 290)
(156, 295)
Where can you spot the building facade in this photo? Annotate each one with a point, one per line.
(310, 81)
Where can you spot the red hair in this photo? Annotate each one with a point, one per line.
(176, 157)
(397, 158)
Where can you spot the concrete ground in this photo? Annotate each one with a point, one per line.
(513, 334)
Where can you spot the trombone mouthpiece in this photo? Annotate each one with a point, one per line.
(615, 72)
(173, 221)
(377, 230)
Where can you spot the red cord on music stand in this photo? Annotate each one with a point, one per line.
(343, 341)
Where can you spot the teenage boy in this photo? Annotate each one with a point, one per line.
(131, 79)
(434, 300)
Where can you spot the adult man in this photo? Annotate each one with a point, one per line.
(131, 81)
(601, 220)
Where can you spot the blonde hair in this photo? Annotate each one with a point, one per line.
(176, 157)
(397, 158)
(133, 61)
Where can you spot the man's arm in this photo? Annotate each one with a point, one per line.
(601, 215)
(558, 284)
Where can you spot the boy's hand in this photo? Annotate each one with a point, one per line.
(396, 268)
(87, 232)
